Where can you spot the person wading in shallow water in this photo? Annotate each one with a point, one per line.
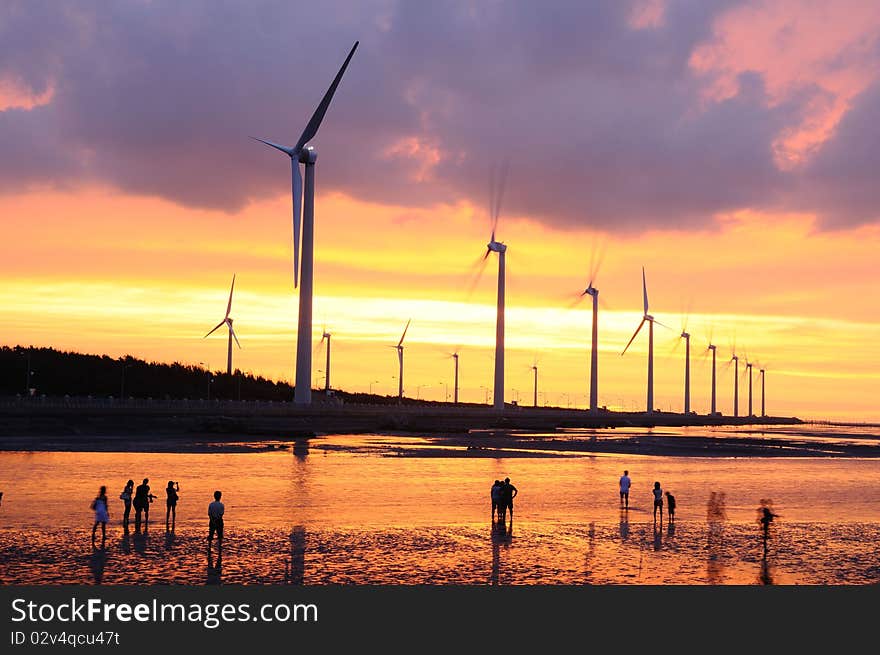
(102, 515)
(126, 497)
(215, 520)
(658, 501)
(171, 503)
(508, 493)
(495, 495)
(625, 484)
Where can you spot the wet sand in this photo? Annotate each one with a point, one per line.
(598, 553)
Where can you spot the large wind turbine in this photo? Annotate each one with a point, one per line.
(687, 364)
(535, 399)
(646, 317)
(399, 348)
(455, 389)
(496, 193)
(302, 153)
(227, 322)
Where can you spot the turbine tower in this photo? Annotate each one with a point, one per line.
(302, 153)
(646, 317)
(687, 363)
(399, 348)
(227, 322)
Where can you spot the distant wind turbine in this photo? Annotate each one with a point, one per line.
(646, 317)
(326, 336)
(749, 371)
(687, 363)
(763, 378)
(712, 347)
(734, 358)
(399, 348)
(535, 369)
(455, 389)
(302, 153)
(227, 322)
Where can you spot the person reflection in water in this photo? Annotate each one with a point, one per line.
(501, 536)
(215, 567)
(97, 562)
(624, 524)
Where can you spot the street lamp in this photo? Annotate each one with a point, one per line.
(446, 387)
(371, 385)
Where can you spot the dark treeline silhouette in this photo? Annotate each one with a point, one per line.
(59, 373)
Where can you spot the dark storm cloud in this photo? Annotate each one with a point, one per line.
(603, 123)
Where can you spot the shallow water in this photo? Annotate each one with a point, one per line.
(350, 510)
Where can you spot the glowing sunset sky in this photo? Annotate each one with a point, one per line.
(731, 148)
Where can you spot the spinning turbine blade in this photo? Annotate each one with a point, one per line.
(219, 325)
(656, 322)
(645, 290)
(235, 337)
(284, 149)
(633, 337)
(400, 343)
(229, 306)
(315, 122)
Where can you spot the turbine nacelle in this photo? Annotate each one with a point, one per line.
(590, 291)
(685, 335)
(495, 246)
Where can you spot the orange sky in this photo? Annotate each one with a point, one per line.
(95, 268)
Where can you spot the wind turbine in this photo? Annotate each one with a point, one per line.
(713, 348)
(302, 153)
(326, 335)
(593, 292)
(749, 371)
(399, 348)
(763, 407)
(455, 389)
(735, 358)
(227, 322)
(535, 369)
(646, 317)
(496, 192)
(687, 363)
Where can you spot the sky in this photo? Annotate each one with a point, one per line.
(729, 148)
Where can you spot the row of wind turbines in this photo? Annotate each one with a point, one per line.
(303, 200)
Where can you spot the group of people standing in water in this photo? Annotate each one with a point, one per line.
(140, 498)
(657, 492)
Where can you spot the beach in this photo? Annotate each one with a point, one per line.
(414, 509)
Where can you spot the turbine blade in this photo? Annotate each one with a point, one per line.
(219, 325)
(286, 150)
(229, 305)
(296, 193)
(235, 337)
(656, 322)
(645, 289)
(633, 337)
(402, 336)
(478, 274)
(315, 122)
(499, 194)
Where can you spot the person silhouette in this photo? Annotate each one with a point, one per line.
(141, 502)
(765, 518)
(670, 507)
(625, 484)
(102, 515)
(658, 501)
(495, 495)
(171, 491)
(126, 497)
(508, 493)
(215, 520)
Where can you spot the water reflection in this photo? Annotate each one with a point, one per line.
(97, 562)
(658, 535)
(501, 536)
(591, 552)
(296, 567)
(169, 539)
(139, 540)
(624, 524)
(716, 515)
(125, 541)
(301, 448)
(215, 567)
